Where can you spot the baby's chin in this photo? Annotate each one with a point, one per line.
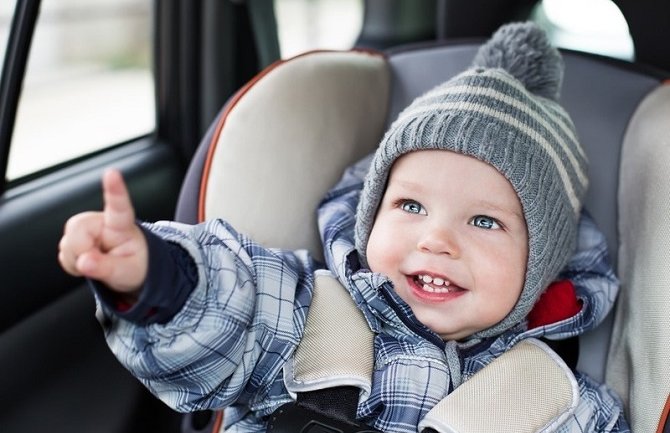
(456, 336)
(436, 324)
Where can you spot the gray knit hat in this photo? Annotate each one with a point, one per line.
(503, 111)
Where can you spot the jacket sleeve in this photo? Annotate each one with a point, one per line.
(171, 277)
(235, 330)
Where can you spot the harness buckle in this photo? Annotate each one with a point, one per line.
(294, 418)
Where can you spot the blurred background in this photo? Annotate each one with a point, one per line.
(86, 52)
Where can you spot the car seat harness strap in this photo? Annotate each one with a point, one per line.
(528, 389)
(336, 348)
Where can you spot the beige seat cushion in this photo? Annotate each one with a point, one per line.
(640, 350)
(288, 136)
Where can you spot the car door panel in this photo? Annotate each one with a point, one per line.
(58, 374)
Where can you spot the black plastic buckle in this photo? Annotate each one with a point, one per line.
(293, 418)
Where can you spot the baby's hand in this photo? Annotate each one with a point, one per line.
(107, 246)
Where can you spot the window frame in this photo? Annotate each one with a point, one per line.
(13, 73)
(19, 43)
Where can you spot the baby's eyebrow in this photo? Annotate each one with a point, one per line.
(407, 184)
(495, 207)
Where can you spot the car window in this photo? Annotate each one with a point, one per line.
(88, 83)
(593, 26)
(6, 11)
(317, 24)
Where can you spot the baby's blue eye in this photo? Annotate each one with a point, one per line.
(412, 207)
(485, 222)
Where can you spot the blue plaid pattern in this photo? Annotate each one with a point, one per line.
(227, 346)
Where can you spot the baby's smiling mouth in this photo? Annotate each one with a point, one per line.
(435, 284)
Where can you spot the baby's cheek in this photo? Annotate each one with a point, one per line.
(377, 262)
(511, 285)
(377, 244)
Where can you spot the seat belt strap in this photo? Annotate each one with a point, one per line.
(331, 366)
(528, 389)
(337, 346)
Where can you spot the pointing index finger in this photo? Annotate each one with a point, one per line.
(118, 213)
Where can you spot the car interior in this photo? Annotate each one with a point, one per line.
(57, 373)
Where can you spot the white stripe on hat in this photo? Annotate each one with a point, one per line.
(521, 106)
(514, 122)
(518, 104)
(503, 97)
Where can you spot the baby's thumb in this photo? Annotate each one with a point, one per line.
(119, 214)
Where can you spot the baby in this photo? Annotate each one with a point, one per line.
(469, 211)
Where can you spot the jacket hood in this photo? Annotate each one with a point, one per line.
(374, 295)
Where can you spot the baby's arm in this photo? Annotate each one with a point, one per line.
(238, 323)
(235, 330)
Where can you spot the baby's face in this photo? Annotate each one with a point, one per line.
(451, 236)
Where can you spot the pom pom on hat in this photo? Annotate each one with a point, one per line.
(524, 51)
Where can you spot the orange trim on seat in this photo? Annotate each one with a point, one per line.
(218, 421)
(664, 416)
(215, 138)
(231, 105)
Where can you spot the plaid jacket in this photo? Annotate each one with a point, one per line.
(220, 316)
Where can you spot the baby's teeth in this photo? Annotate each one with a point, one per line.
(434, 285)
(431, 289)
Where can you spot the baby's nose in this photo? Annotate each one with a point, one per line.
(437, 239)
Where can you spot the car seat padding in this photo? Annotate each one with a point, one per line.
(640, 350)
(337, 346)
(528, 389)
(287, 138)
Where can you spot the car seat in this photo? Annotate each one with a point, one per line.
(284, 139)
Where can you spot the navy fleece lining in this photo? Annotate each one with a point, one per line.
(171, 277)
